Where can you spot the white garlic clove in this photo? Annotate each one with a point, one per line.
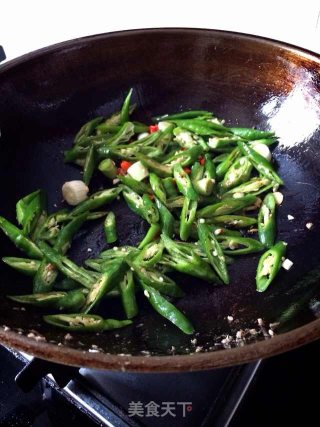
(74, 192)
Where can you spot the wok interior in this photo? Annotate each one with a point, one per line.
(247, 81)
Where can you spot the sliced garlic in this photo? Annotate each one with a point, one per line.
(263, 150)
(278, 197)
(74, 192)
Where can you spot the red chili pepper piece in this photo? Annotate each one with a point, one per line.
(125, 165)
(187, 170)
(151, 196)
(202, 161)
(153, 128)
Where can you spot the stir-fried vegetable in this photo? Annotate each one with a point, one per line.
(187, 175)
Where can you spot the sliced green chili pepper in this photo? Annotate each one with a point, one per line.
(227, 163)
(87, 129)
(48, 299)
(226, 206)
(89, 165)
(128, 295)
(66, 266)
(234, 245)
(150, 254)
(185, 260)
(84, 322)
(187, 217)
(108, 168)
(142, 206)
(254, 187)
(167, 310)
(157, 187)
(175, 202)
(201, 127)
(161, 170)
(47, 273)
(110, 228)
(152, 234)
(170, 187)
(213, 251)
(184, 183)
(259, 162)
(96, 200)
(267, 221)
(20, 241)
(166, 219)
(269, 265)
(29, 209)
(154, 278)
(105, 284)
(185, 158)
(251, 134)
(125, 110)
(137, 186)
(238, 173)
(192, 114)
(72, 300)
(237, 221)
(25, 266)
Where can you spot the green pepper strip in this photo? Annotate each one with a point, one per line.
(20, 241)
(157, 187)
(238, 173)
(227, 163)
(167, 310)
(201, 127)
(96, 201)
(231, 244)
(29, 209)
(84, 322)
(227, 206)
(184, 183)
(188, 215)
(105, 284)
(137, 186)
(67, 267)
(25, 266)
(186, 157)
(166, 219)
(185, 260)
(47, 273)
(128, 295)
(260, 163)
(161, 170)
(184, 115)
(87, 129)
(213, 251)
(154, 278)
(237, 221)
(110, 228)
(108, 168)
(152, 234)
(150, 254)
(142, 206)
(125, 110)
(267, 221)
(89, 165)
(251, 134)
(68, 301)
(254, 187)
(269, 265)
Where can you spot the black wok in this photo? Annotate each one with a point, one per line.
(44, 98)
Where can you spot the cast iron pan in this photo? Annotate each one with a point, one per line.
(44, 98)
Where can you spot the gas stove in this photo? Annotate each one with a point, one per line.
(49, 395)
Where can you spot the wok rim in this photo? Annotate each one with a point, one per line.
(171, 363)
